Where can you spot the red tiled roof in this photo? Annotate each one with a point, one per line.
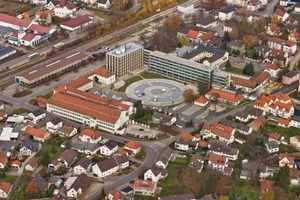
(186, 136)
(29, 37)
(132, 145)
(193, 34)
(280, 12)
(42, 100)
(5, 187)
(39, 29)
(258, 123)
(241, 11)
(272, 66)
(244, 82)
(116, 194)
(207, 36)
(35, 132)
(16, 162)
(93, 134)
(68, 5)
(285, 122)
(280, 105)
(2, 114)
(101, 71)
(275, 136)
(278, 53)
(266, 185)
(281, 41)
(203, 144)
(262, 77)
(149, 185)
(79, 82)
(225, 95)
(72, 23)
(294, 174)
(14, 20)
(274, 28)
(217, 159)
(260, 103)
(286, 155)
(201, 100)
(283, 97)
(3, 158)
(219, 130)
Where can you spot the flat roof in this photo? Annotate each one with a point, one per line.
(6, 50)
(124, 49)
(52, 65)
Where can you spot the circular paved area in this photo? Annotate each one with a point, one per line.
(157, 92)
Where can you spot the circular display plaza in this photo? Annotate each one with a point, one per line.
(157, 92)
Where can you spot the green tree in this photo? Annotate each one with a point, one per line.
(282, 178)
(45, 159)
(226, 36)
(228, 65)
(202, 88)
(249, 69)
(53, 149)
(255, 55)
(102, 194)
(269, 195)
(202, 190)
(96, 79)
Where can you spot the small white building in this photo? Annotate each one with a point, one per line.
(133, 146)
(272, 147)
(82, 166)
(54, 125)
(103, 75)
(108, 147)
(186, 8)
(80, 185)
(103, 4)
(142, 187)
(37, 116)
(226, 13)
(155, 174)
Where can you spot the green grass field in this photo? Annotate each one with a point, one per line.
(235, 70)
(129, 82)
(247, 191)
(99, 13)
(8, 179)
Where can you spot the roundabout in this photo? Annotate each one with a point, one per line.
(157, 92)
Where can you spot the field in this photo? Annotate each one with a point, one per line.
(246, 191)
(99, 13)
(8, 179)
(129, 82)
(13, 7)
(235, 70)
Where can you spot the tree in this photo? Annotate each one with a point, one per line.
(249, 41)
(274, 19)
(189, 95)
(226, 36)
(45, 159)
(228, 65)
(182, 41)
(282, 178)
(234, 34)
(53, 150)
(202, 88)
(269, 195)
(255, 55)
(260, 25)
(249, 69)
(118, 5)
(96, 79)
(102, 194)
(223, 198)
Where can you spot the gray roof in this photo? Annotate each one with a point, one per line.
(82, 181)
(107, 164)
(56, 120)
(6, 50)
(68, 155)
(206, 20)
(37, 113)
(186, 196)
(197, 161)
(40, 182)
(263, 49)
(30, 144)
(296, 118)
(128, 47)
(186, 4)
(235, 125)
(161, 116)
(127, 189)
(218, 146)
(272, 145)
(84, 163)
(236, 43)
(230, 23)
(4, 30)
(165, 155)
(207, 197)
(186, 142)
(180, 52)
(184, 31)
(201, 48)
(110, 144)
(121, 159)
(291, 74)
(82, 146)
(228, 9)
(250, 111)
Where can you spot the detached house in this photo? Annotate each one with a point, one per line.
(164, 158)
(82, 166)
(284, 45)
(258, 123)
(27, 147)
(197, 162)
(3, 160)
(249, 113)
(108, 147)
(89, 135)
(295, 141)
(217, 162)
(221, 148)
(290, 77)
(67, 131)
(207, 22)
(272, 147)
(273, 30)
(294, 177)
(155, 174)
(5, 189)
(219, 131)
(64, 9)
(226, 13)
(65, 159)
(266, 185)
(272, 69)
(281, 109)
(281, 14)
(37, 116)
(54, 125)
(147, 188)
(79, 186)
(103, 4)
(164, 119)
(275, 137)
(32, 164)
(254, 5)
(225, 96)
(37, 184)
(133, 147)
(37, 134)
(286, 159)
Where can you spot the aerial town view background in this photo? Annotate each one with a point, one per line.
(150, 99)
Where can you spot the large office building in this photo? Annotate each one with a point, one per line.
(53, 67)
(185, 70)
(125, 59)
(89, 109)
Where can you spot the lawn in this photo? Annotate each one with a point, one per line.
(286, 149)
(246, 191)
(285, 132)
(235, 70)
(48, 147)
(98, 12)
(129, 82)
(8, 179)
(19, 190)
(149, 75)
(141, 156)
(20, 111)
(296, 17)
(181, 161)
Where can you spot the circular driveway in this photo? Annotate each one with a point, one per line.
(156, 92)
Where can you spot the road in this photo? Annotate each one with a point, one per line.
(269, 9)
(295, 60)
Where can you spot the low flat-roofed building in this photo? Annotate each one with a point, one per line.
(7, 51)
(43, 71)
(77, 23)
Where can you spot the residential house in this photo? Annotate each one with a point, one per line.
(37, 116)
(77, 23)
(113, 195)
(295, 141)
(155, 174)
(186, 8)
(37, 184)
(272, 147)
(266, 185)
(294, 35)
(207, 22)
(79, 186)
(89, 135)
(290, 77)
(65, 159)
(55, 181)
(221, 148)
(185, 144)
(217, 162)
(133, 146)
(286, 159)
(275, 137)
(294, 177)
(16, 164)
(110, 166)
(245, 174)
(103, 4)
(273, 30)
(242, 128)
(236, 45)
(215, 42)
(281, 109)
(254, 5)
(67, 131)
(285, 123)
(201, 101)
(249, 113)
(219, 131)
(127, 190)
(284, 2)
(281, 14)
(5, 189)
(27, 147)
(104, 76)
(278, 57)
(164, 158)
(297, 8)
(167, 120)
(224, 96)
(206, 37)
(108, 147)
(272, 69)
(241, 13)
(226, 13)
(84, 165)
(265, 171)
(193, 36)
(64, 9)
(44, 17)
(284, 45)
(197, 162)
(37, 134)
(32, 164)
(258, 123)
(53, 125)
(239, 3)
(142, 187)
(228, 26)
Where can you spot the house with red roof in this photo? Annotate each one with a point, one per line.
(201, 101)
(281, 109)
(278, 57)
(218, 131)
(5, 189)
(285, 123)
(64, 9)
(254, 5)
(103, 76)
(225, 96)
(294, 35)
(281, 14)
(3, 160)
(272, 69)
(206, 37)
(294, 177)
(133, 147)
(77, 23)
(266, 185)
(285, 45)
(275, 137)
(44, 16)
(273, 30)
(286, 159)
(241, 13)
(295, 141)
(37, 134)
(193, 35)
(89, 135)
(218, 162)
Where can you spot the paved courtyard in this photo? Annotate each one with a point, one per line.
(157, 92)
